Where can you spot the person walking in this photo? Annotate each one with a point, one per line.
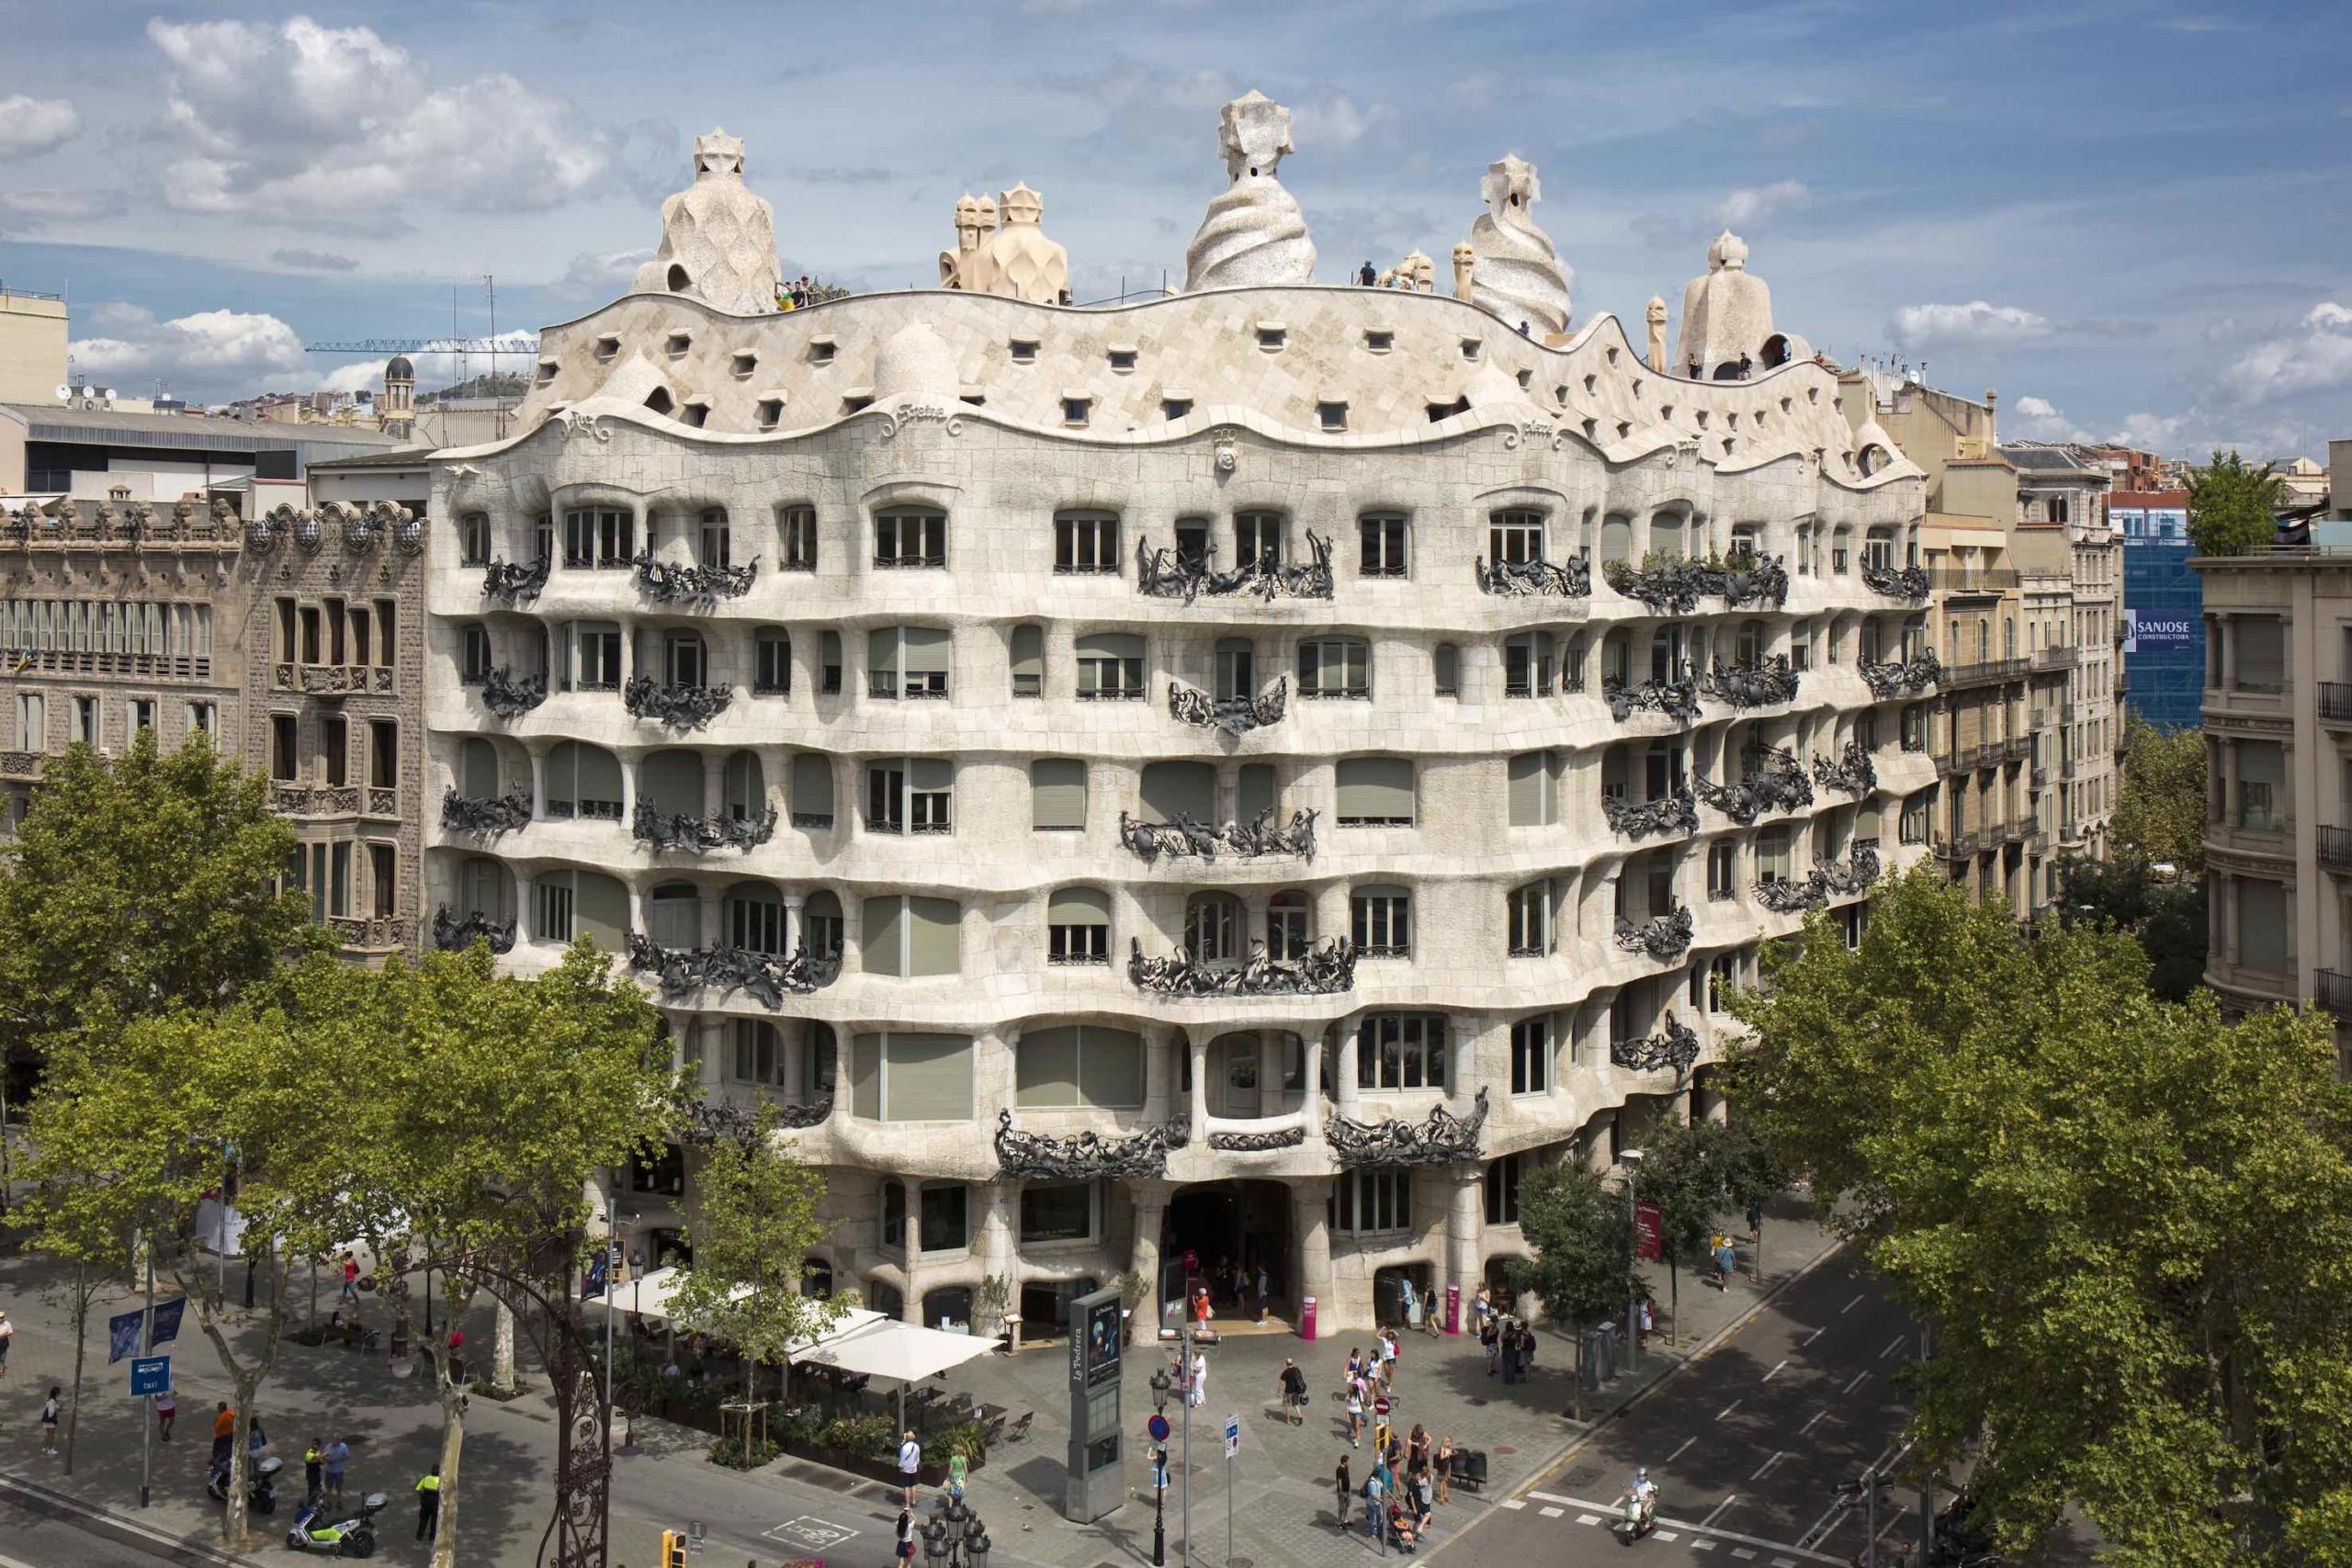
(350, 1280)
(428, 1504)
(167, 1410)
(1442, 1465)
(1424, 1498)
(255, 1440)
(7, 1332)
(1490, 1339)
(1345, 1487)
(224, 1433)
(1266, 1290)
(313, 1461)
(1196, 1386)
(904, 1538)
(335, 1455)
(1371, 1505)
(1726, 1261)
(1355, 1411)
(909, 1462)
(1294, 1389)
(48, 1422)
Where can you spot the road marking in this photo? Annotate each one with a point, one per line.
(1814, 1422)
(1817, 1333)
(1581, 1518)
(1556, 1497)
(1665, 1535)
(1679, 1452)
(1775, 1371)
(1701, 1534)
(1852, 1306)
(1549, 1512)
(810, 1533)
(1859, 1378)
(1717, 1511)
(1784, 1562)
(1742, 1552)
(1896, 1344)
(1728, 1409)
(1778, 1455)
(1514, 1503)
(1704, 1543)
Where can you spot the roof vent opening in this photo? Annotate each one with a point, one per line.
(661, 402)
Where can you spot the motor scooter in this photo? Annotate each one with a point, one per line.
(354, 1537)
(261, 1486)
(1640, 1514)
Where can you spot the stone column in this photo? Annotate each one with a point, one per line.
(796, 928)
(1343, 1071)
(1311, 1099)
(1311, 1219)
(538, 759)
(1229, 792)
(998, 1248)
(1150, 1199)
(1465, 1233)
(628, 791)
(1199, 1109)
(714, 782)
(911, 1310)
(714, 916)
(526, 906)
(2226, 624)
(1331, 917)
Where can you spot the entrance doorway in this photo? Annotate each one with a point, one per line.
(1218, 1234)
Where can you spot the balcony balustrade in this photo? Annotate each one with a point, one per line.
(679, 706)
(1983, 671)
(1675, 1046)
(2333, 990)
(1773, 680)
(1779, 785)
(333, 800)
(1234, 715)
(333, 680)
(2064, 657)
(1321, 971)
(2335, 702)
(1853, 774)
(1571, 578)
(373, 933)
(1169, 574)
(1676, 698)
(1957, 846)
(713, 1120)
(1838, 879)
(671, 583)
(1665, 938)
(1675, 587)
(766, 977)
(1190, 837)
(1440, 1138)
(510, 697)
(2336, 848)
(1896, 582)
(1085, 1156)
(1893, 678)
(1675, 812)
(506, 814)
(677, 831)
(452, 934)
(515, 581)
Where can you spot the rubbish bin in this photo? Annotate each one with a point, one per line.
(1598, 1362)
(1306, 1318)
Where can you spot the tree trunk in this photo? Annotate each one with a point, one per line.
(202, 1290)
(232, 1517)
(501, 1365)
(1674, 1304)
(453, 1439)
(83, 1291)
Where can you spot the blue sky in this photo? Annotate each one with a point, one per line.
(2132, 218)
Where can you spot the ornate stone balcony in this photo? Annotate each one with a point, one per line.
(1188, 837)
(1238, 1142)
(332, 680)
(1041, 1156)
(509, 813)
(511, 698)
(516, 580)
(1839, 879)
(1678, 699)
(763, 977)
(677, 830)
(1665, 938)
(1166, 574)
(1675, 1046)
(1234, 715)
(20, 764)
(1571, 578)
(1753, 685)
(669, 582)
(1853, 774)
(1896, 582)
(333, 800)
(1895, 677)
(378, 933)
(452, 934)
(1675, 587)
(1323, 971)
(1439, 1138)
(681, 707)
(1780, 787)
(1674, 812)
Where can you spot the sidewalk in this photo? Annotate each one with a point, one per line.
(1281, 1481)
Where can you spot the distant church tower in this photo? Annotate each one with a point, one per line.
(399, 398)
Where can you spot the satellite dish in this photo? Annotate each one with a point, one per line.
(107, 392)
(64, 392)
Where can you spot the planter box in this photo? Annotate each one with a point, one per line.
(886, 1470)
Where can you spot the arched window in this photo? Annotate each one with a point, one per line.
(568, 904)
(820, 923)
(756, 920)
(1288, 933)
(743, 786)
(477, 769)
(674, 915)
(584, 781)
(671, 782)
(1616, 538)
(1180, 789)
(812, 790)
(1078, 925)
(484, 888)
(1667, 533)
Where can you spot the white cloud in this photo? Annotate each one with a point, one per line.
(2042, 419)
(212, 354)
(1978, 322)
(314, 261)
(594, 278)
(1753, 207)
(2317, 357)
(1335, 123)
(302, 121)
(362, 375)
(30, 125)
(25, 210)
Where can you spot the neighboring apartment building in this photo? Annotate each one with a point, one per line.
(90, 452)
(2164, 603)
(33, 362)
(2278, 833)
(1214, 775)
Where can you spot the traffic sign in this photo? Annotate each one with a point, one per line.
(1380, 1404)
(1157, 1428)
(149, 1375)
(1232, 1436)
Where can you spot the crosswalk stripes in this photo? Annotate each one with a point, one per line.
(1549, 1512)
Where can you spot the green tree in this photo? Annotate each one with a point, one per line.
(76, 1220)
(1686, 1172)
(136, 885)
(2131, 1222)
(753, 1223)
(2233, 507)
(2160, 800)
(1583, 1242)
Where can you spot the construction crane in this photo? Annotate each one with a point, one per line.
(462, 346)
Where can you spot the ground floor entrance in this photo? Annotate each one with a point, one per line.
(1218, 1236)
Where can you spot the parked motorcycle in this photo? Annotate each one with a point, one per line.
(261, 1486)
(354, 1537)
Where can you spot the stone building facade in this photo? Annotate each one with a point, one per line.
(1248, 774)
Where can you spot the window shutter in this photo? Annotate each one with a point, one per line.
(929, 773)
(812, 784)
(930, 1078)
(882, 659)
(927, 649)
(1028, 654)
(1257, 790)
(1448, 668)
(1110, 1068)
(1528, 787)
(1110, 645)
(1044, 1070)
(600, 910)
(1078, 907)
(1376, 787)
(865, 1077)
(1173, 788)
(1616, 538)
(932, 936)
(1866, 822)
(881, 940)
(676, 921)
(600, 774)
(480, 767)
(1058, 793)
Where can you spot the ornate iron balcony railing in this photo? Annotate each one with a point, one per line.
(453, 935)
(1662, 936)
(506, 814)
(1570, 578)
(681, 707)
(1242, 1143)
(1234, 715)
(670, 831)
(1440, 1138)
(509, 697)
(1753, 685)
(1678, 698)
(1895, 676)
(1780, 787)
(1672, 813)
(1322, 971)
(669, 582)
(1166, 574)
(1042, 1156)
(763, 977)
(1675, 587)
(710, 1122)
(1839, 879)
(1895, 581)
(516, 580)
(1853, 774)
(1189, 836)
(1675, 1045)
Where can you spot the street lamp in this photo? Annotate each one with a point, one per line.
(954, 1537)
(1631, 1160)
(1161, 1385)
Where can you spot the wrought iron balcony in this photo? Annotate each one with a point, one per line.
(1675, 1046)
(1780, 786)
(1957, 846)
(1758, 685)
(1675, 587)
(669, 582)
(1675, 812)
(1234, 715)
(1322, 971)
(1983, 671)
(2333, 991)
(516, 580)
(506, 814)
(1896, 582)
(1678, 698)
(677, 830)
(1166, 574)
(453, 935)
(1665, 938)
(1189, 837)
(20, 764)
(2064, 658)
(2336, 848)
(764, 977)
(1895, 677)
(681, 707)
(2335, 702)
(1839, 879)
(1571, 578)
(710, 1121)
(1853, 774)
(1439, 1138)
(508, 697)
(1043, 1156)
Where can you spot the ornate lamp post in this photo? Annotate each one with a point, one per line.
(1161, 1385)
(955, 1537)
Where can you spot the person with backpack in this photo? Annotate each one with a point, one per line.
(1293, 1390)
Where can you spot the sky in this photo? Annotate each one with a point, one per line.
(2134, 220)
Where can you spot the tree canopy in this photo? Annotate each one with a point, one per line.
(1583, 1244)
(2233, 507)
(2161, 798)
(2132, 1223)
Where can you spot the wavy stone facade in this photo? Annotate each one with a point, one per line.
(945, 681)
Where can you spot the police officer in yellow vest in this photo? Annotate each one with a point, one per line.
(428, 1504)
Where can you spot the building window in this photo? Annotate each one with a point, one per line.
(1913, 826)
(1365, 1203)
(583, 782)
(383, 881)
(1721, 856)
(909, 936)
(1110, 667)
(2261, 653)
(901, 1076)
(1531, 1054)
(2262, 780)
(910, 661)
(1335, 667)
(1375, 792)
(1086, 543)
(1332, 417)
(1078, 925)
(592, 661)
(799, 524)
(1060, 1211)
(1526, 665)
(32, 721)
(1531, 920)
(1235, 675)
(1383, 537)
(1381, 921)
(1534, 789)
(474, 655)
(1401, 1050)
(1515, 536)
(1502, 1191)
(1070, 1068)
(1772, 855)
(910, 538)
(1258, 539)
(1076, 410)
(758, 1057)
(1445, 670)
(473, 538)
(142, 715)
(771, 661)
(1058, 794)
(203, 718)
(910, 795)
(1175, 407)
(1914, 727)
(1028, 661)
(85, 721)
(599, 537)
(812, 790)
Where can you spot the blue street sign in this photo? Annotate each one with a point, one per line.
(1157, 1428)
(1232, 1435)
(149, 1375)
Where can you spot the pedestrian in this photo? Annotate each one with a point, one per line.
(1424, 1498)
(1196, 1387)
(1345, 1487)
(1526, 1349)
(1366, 277)
(1648, 1322)
(255, 1440)
(1293, 1383)
(1416, 1445)
(1355, 1412)
(1265, 1289)
(7, 1332)
(1727, 1261)
(1442, 1465)
(1371, 1505)
(313, 1460)
(350, 1279)
(336, 1454)
(905, 1548)
(1522, 328)
(167, 1410)
(1355, 1363)
(428, 1504)
(48, 1422)
(1490, 1339)
(1482, 1307)
(1386, 1346)
(909, 1462)
(224, 1433)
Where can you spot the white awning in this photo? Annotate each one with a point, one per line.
(648, 1296)
(900, 1352)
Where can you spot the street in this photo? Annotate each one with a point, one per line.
(1747, 1446)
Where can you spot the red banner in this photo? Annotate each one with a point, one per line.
(1649, 1232)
